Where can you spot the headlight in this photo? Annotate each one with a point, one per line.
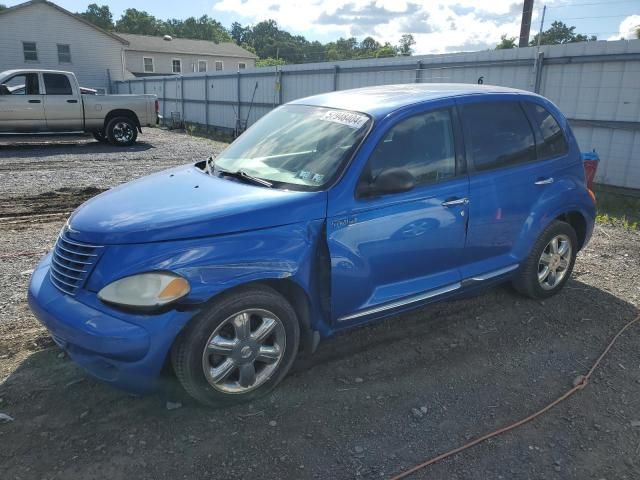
(145, 290)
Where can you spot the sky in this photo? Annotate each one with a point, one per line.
(439, 26)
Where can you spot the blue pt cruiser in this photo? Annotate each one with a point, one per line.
(330, 212)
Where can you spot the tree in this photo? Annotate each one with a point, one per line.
(203, 28)
(139, 22)
(638, 31)
(368, 46)
(100, 16)
(559, 33)
(2, 7)
(506, 43)
(240, 34)
(405, 47)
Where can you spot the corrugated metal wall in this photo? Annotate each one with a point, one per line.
(595, 84)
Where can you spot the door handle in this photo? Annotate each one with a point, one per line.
(34, 101)
(72, 101)
(451, 202)
(544, 181)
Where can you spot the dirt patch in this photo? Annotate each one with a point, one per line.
(64, 200)
(370, 403)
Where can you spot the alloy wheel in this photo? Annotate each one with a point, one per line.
(244, 351)
(554, 262)
(122, 132)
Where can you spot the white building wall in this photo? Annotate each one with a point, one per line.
(162, 62)
(92, 53)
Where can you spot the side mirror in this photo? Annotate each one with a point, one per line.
(4, 90)
(393, 180)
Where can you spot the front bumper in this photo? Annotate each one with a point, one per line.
(128, 350)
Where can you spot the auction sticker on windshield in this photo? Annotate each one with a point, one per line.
(350, 119)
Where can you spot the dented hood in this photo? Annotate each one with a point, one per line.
(185, 202)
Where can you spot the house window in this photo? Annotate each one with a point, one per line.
(242, 66)
(176, 65)
(64, 53)
(148, 64)
(219, 65)
(202, 66)
(30, 51)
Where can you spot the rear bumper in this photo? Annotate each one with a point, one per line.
(127, 352)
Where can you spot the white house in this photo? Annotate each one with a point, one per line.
(148, 56)
(40, 34)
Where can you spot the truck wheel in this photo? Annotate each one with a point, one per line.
(239, 348)
(100, 136)
(122, 131)
(550, 262)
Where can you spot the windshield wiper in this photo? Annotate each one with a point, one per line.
(242, 175)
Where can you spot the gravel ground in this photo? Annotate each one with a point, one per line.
(370, 403)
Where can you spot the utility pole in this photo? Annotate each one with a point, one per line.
(525, 25)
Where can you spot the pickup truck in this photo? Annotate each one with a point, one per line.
(51, 101)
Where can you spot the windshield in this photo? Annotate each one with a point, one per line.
(297, 146)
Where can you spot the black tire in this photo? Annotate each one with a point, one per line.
(122, 131)
(100, 136)
(188, 352)
(527, 282)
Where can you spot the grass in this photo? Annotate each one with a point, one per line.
(619, 209)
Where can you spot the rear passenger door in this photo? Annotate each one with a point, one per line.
(62, 105)
(509, 174)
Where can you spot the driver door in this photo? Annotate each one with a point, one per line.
(22, 110)
(398, 250)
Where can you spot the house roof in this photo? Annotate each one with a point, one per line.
(145, 43)
(66, 12)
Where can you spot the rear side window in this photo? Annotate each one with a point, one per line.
(423, 144)
(553, 142)
(56, 84)
(497, 134)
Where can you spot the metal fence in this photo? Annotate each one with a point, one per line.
(596, 85)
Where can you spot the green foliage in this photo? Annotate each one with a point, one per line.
(100, 16)
(506, 43)
(638, 32)
(2, 7)
(559, 33)
(617, 209)
(265, 39)
(270, 62)
(406, 44)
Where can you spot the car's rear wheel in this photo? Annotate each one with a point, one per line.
(122, 131)
(239, 348)
(100, 136)
(550, 262)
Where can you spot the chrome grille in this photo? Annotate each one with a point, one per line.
(71, 263)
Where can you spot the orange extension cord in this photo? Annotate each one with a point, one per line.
(584, 380)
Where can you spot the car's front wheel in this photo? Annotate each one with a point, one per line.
(122, 131)
(550, 262)
(239, 348)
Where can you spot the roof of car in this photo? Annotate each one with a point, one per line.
(383, 99)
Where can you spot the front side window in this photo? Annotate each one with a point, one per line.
(30, 51)
(148, 64)
(202, 66)
(64, 53)
(219, 66)
(497, 134)
(56, 84)
(553, 142)
(422, 144)
(24, 84)
(176, 65)
(297, 146)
